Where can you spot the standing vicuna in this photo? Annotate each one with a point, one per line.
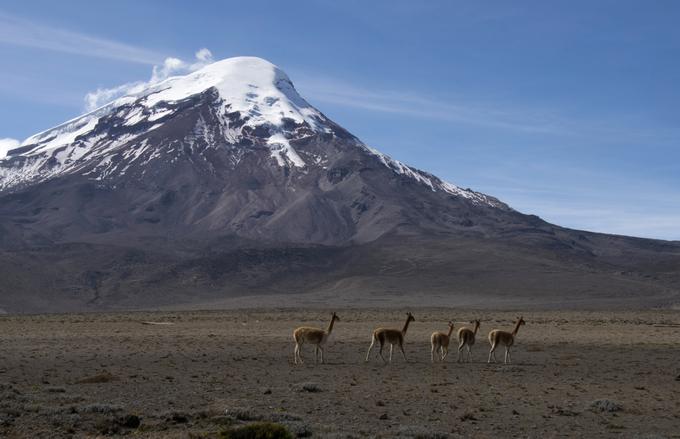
(466, 337)
(315, 336)
(391, 336)
(507, 339)
(440, 343)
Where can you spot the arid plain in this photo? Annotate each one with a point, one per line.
(201, 373)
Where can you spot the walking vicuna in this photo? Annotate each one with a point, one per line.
(391, 336)
(315, 336)
(440, 343)
(466, 337)
(504, 338)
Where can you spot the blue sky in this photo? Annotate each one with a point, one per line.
(569, 110)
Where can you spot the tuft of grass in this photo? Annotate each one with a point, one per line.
(258, 430)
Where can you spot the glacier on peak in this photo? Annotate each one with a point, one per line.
(252, 86)
(257, 91)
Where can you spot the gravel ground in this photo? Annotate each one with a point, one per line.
(201, 373)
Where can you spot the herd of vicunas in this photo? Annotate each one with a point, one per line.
(439, 340)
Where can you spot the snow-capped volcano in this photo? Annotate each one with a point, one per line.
(226, 182)
(254, 102)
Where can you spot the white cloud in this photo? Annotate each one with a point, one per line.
(20, 32)
(169, 67)
(6, 144)
(204, 55)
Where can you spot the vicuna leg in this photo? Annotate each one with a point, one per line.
(460, 350)
(507, 355)
(469, 352)
(391, 349)
(299, 352)
(316, 354)
(492, 353)
(445, 352)
(403, 354)
(295, 355)
(434, 348)
(369, 348)
(321, 349)
(382, 345)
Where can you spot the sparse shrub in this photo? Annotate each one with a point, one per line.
(107, 426)
(468, 417)
(605, 405)
(55, 390)
(100, 408)
(299, 429)
(177, 418)
(420, 433)
(307, 387)
(260, 430)
(104, 377)
(223, 420)
(242, 414)
(130, 421)
(284, 417)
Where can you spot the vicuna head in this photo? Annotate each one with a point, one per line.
(520, 321)
(410, 317)
(476, 322)
(335, 317)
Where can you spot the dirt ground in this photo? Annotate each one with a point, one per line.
(199, 373)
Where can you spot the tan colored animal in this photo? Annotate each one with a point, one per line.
(315, 336)
(506, 339)
(440, 343)
(391, 336)
(466, 338)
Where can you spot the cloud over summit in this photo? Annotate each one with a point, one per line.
(171, 67)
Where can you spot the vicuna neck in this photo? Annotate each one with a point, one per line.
(408, 320)
(514, 331)
(450, 330)
(476, 328)
(330, 325)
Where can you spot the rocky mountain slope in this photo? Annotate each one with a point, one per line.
(225, 182)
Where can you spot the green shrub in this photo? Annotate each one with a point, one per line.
(259, 430)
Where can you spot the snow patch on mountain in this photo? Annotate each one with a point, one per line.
(433, 182)
(283, 152)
